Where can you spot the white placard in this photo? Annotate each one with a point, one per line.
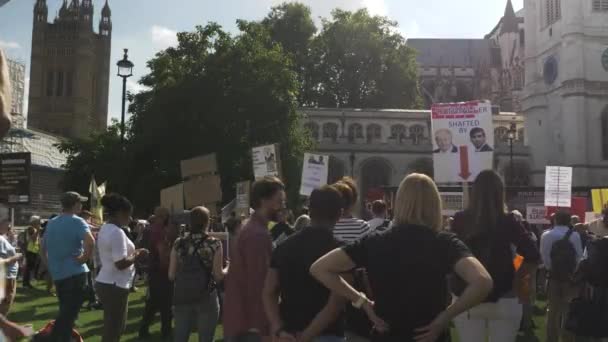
(558, 186)
(591, 217)
(463, 140)
(265, 161)
(536, 214)
(314, 172)
(242, 195)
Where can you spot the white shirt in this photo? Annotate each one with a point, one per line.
(113, 246)
(551, 236)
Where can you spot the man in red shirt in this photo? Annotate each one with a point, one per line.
(160, 288)
(244, 317)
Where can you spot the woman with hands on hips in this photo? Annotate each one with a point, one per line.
(407, 268)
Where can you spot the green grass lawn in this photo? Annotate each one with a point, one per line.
(37, 308)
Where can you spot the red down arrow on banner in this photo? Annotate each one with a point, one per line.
(464, 163)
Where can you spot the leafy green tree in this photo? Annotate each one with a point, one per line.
(364, 63)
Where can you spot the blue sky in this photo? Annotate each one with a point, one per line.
(147, 26)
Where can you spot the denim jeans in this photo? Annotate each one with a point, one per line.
(70, 293)
(204, 316)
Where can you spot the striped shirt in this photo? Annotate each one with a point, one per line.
(351, 229)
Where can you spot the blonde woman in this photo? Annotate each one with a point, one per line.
(5, 97)
(407, 267)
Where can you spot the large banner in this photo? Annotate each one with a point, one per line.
(463, 140)
(314, 172)
(265, 161)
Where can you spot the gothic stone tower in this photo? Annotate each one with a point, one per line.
(565, 100)
(70, 69)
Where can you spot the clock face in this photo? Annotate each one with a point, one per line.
(605, 59)
(550, 70)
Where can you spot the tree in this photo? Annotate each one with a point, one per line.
(213, 93)
(363, 62)
(291, 26)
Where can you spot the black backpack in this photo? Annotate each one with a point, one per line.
(193, 279)
(594, 268)
(563, 258)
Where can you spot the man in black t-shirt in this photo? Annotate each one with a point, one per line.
(307, 309)
(282, 230)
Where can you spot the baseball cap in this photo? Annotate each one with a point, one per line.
(70, 198)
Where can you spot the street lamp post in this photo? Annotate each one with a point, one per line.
(125, 70)
(352, 164)
(512, 132)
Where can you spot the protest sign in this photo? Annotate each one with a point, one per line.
(265, 161)
(600, 200)
(15, 177)
(536, 214)
(463, 140)
(242, 194)
(591, 216)
(201, 165)
(558, 186)
(314, 172)
(452, 202)
(172, 198)
(202, 191)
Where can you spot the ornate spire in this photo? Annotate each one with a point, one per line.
(106, 12)
(509, 20)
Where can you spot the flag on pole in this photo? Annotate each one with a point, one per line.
(97, 193)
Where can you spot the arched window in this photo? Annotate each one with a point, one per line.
(330, 131)
(374, 133)
(605, 133)
(417, 134)
(355, 131)
(501, 134)
(521, 134)
(398, 133)
(313, 128)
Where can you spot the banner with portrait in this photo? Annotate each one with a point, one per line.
(265, 161)
(463, 140)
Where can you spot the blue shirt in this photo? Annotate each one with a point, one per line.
(552, 236)
(63, 239)
(8, 251)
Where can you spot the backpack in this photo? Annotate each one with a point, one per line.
(594, 268)
(193, 279)
(563, 258)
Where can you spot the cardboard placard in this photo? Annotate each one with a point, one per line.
(197, 166)
(202, 190)
(172, 198)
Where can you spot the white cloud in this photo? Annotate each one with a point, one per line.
(134, 87)
(375, 7)
(9, 45)
(163, 37)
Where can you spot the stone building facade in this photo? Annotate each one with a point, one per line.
(70, 70)
(565, 98)
(379, 147)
